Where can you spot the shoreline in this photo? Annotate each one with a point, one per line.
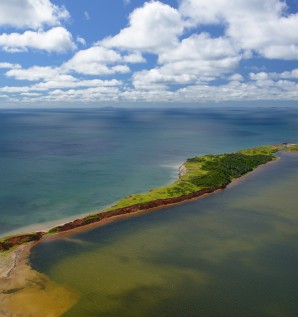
(18, 247)
(20, 254)
(135, 213)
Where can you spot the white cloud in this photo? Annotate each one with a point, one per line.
(31, 13)
(71, 82)
(11, 89)
(155, 28)
(293, 74)
(197, 58)
(92, 94)
(134, 58)
(236, 77)
(200, 47)
(80, 40)
(259, 76)
(188, 60)
(96, 61)
(34, 73)
(229, 11)
(262, 26)
(152, 28)
(30, 94)
(159, 78)
(53, 78)
(10, 65)
(57, 39)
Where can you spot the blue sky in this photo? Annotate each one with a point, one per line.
(90, 52)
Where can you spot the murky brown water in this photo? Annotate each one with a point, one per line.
(230, 254)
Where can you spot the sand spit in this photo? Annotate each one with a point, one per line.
(26, 292)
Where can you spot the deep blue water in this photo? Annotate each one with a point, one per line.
(56, 164)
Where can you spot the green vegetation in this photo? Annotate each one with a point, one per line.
(8, 243)
(293, 147)
(52, 231)
(209, 171)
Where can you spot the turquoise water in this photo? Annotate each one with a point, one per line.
(58, 164)
(230, 254)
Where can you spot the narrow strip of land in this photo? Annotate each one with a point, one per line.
(198, 176)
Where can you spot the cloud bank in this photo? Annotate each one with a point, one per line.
(199, 51)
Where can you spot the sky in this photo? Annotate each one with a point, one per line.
(59, 52)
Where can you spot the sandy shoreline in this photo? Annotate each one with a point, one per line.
(26, 292)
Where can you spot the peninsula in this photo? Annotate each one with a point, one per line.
(197, 176)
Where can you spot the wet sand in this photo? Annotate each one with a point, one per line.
(25, 292)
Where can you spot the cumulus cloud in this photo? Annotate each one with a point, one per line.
(293, 75)
(156, 28)
(134, 58)
(49, 78)
(197, 58)
(34, 73)
(96, 60)
(52, 78)
(259, 76)
(152, 28)
(9, 65)
(31, 13)
(200, 47)
(188, 65)
(57, 39)
(236, 77)
(262, 26)
(12, 89)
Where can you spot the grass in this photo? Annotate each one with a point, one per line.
(293, 148)
(209, 171)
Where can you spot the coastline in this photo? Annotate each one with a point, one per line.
(20, 254)
(16, 273)
(21, 286)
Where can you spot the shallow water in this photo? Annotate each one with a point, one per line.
(58, 164)
(233, 253)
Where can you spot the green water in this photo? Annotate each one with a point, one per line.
(234, 253)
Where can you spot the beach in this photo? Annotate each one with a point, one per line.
(23, 289)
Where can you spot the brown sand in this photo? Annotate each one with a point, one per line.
(25, 292)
